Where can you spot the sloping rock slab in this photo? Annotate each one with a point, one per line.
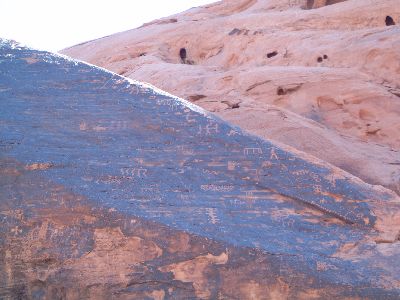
(110, 188)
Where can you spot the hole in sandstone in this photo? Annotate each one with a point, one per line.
(142, 54)
(272, 54)
(281, 91)
(183, 54)
(319, 59)
(235, 31)
(325, 56)
(236, 105)
(389, 21)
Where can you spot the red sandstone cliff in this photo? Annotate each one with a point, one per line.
(321, 78)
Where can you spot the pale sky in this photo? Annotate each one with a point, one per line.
(53, 25)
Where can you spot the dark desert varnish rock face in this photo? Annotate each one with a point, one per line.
(112, 189)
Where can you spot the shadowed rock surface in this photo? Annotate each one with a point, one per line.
(112, 189)
(343, 109)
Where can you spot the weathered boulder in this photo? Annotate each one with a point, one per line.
(111, 188)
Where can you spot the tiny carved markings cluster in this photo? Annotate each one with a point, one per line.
(56, 245)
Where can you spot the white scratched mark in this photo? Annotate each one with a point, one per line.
(16, 230)
(250, 195)
(135, 172)
(250, 151)
(212, 214)
(232, 165)
(209, 129)
(217, 188)
(273, 154)
(173, 105)
(233, 133)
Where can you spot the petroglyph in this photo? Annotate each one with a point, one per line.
(190, 119)
(288, 222)
(209, 129)
(186, 150)
(16, 231)
(252, 151)
(186, 196)
(210, 172)
(212, 214)
(83, 126)
(250, 195)
(119, 125)
(266, 164)
(134, 172)
(105, 125)
(152, 188)
(171, 103)
(273, 155)
(217, 188)
(232, 165)
(254, 173)
(39, 166)
(233, 132)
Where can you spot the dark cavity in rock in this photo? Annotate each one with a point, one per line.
(236, 105)
(280, 91)
(235, 31)
(389, 21)
(183, 55)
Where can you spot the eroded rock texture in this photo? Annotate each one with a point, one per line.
(325, 81)
(320, 3)
(110, 189)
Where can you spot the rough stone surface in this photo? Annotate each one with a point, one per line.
(111, 189)
(325, 80)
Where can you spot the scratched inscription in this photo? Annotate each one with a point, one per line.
(217, 188)
(134, 172)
